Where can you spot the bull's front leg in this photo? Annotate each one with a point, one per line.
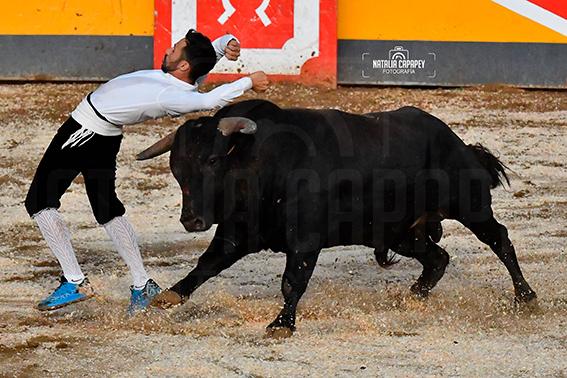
(220, 255)
(298, 270)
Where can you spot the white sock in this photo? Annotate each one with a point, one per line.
(58, 239)
(124, 238)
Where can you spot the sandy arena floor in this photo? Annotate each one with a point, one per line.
(355, 319)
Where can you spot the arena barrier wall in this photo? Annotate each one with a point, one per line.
(444, 42)
(439, 42)
(75, 39)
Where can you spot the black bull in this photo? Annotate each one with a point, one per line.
(299, 180)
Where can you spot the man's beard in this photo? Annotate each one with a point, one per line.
(164, 67)
(168, 68)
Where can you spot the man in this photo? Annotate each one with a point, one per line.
(88, 143)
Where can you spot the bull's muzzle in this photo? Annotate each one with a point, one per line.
(194, 223)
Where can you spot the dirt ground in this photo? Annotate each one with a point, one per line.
(355, 319)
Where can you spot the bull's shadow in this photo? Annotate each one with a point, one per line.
(299, 180)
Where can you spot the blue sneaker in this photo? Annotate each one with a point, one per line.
(140, 299)
(66, 294)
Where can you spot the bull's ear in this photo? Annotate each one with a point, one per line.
(231, 125)
(158, 148)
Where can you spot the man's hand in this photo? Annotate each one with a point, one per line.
(259, 81)
(232, 50)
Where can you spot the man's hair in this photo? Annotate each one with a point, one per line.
(200, 54)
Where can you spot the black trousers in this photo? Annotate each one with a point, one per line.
(95, 160)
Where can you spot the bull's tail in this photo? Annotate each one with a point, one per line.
(492, 164)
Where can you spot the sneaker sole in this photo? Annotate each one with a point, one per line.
(50, 308)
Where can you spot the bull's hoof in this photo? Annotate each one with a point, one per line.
(420, 291)
(527, 302)
(278, 332)
(526, 297)
(166, 299)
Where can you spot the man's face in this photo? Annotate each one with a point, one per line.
(173, 58)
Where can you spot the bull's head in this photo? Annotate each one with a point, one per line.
(202, 152)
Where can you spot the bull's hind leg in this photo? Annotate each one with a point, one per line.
(298, 270)
(434, 260)
(495, 235)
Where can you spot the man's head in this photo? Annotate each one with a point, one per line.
(191, 57)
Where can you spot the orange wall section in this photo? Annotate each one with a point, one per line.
(438, 20)
(78, 17)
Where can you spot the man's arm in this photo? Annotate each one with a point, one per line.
(177, 104)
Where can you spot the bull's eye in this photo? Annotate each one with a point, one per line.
(213, 160)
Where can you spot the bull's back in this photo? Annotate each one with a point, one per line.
(407, 138)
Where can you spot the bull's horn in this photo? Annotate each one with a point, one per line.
(158, 148)
(231, 125)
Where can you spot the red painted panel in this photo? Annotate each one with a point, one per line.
(162, 30)
(244, 21)
(256, 32)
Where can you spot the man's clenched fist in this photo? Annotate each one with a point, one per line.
(259, 81)
(232, 50)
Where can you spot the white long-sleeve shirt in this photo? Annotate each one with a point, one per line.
(150, 94)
